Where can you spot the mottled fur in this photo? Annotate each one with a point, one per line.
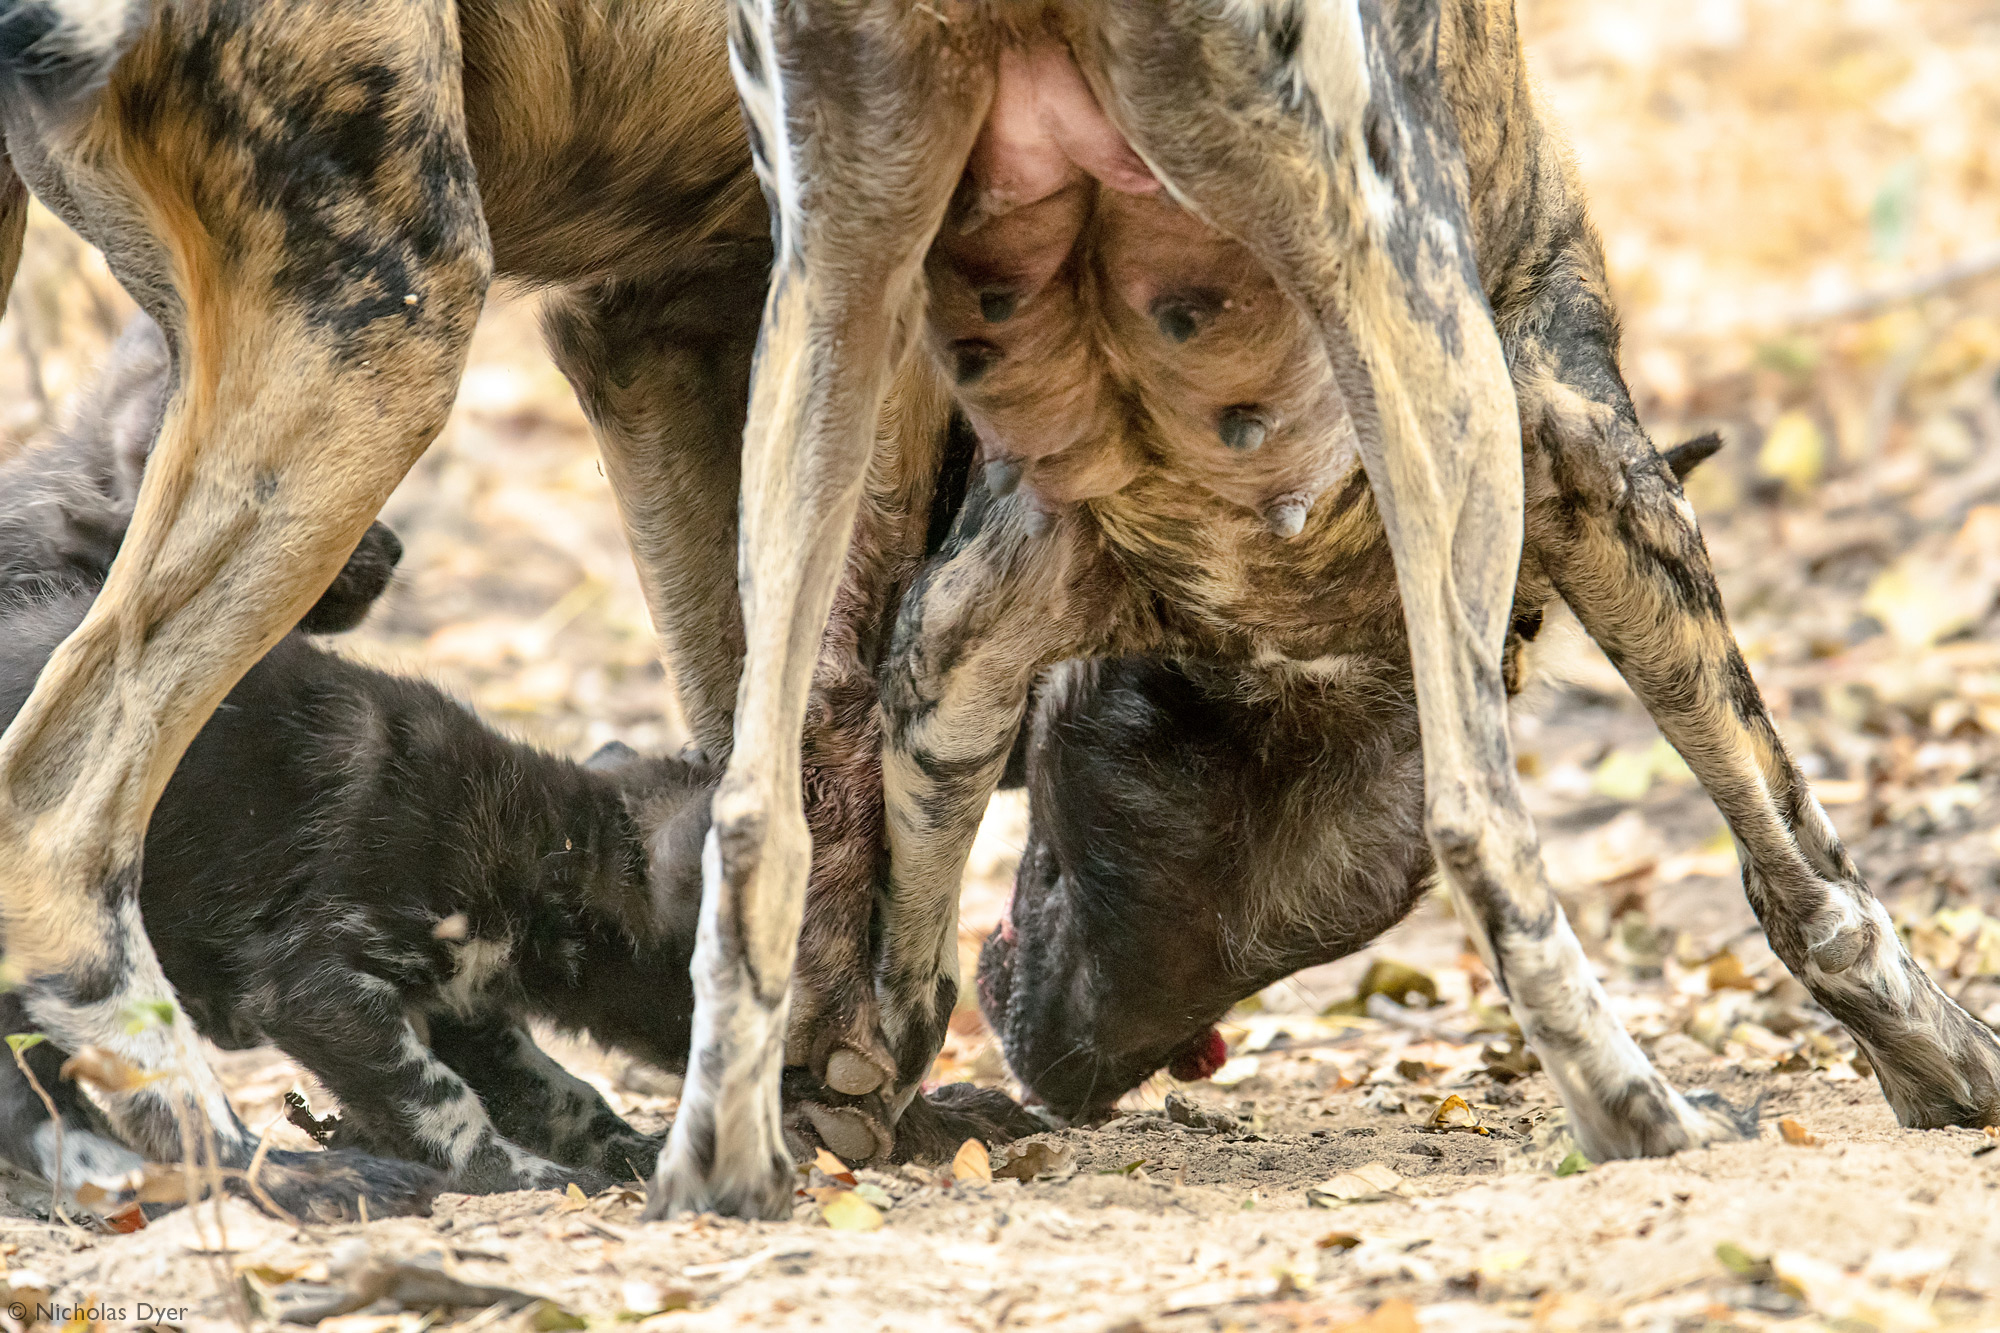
(288, 187)
(349, 866)
(1362, 419)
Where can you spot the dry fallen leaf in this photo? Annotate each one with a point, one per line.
(1726, 972)
(1034, 1159)
(1797, 1134)
(832, 1167)
(1397, 1316)
(1454, 1113)
(1361, 1185)
(108, 1071)
(973, 1165)
(573, 1200)
(1337, 1240)
(848, 1211)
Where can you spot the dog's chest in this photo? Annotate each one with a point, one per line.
(1224, 587)
(1098, 334)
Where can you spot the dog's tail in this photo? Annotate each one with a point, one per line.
(56, 54)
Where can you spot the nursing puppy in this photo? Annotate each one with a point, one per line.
(1196, 833)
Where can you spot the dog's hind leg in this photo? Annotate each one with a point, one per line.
(536, 1103)
(662, 369)
(287, 189)
(1619, 540)
(397, 1096)
(1319, 136)
(861, 118)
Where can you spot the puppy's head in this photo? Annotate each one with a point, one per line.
(668, 799)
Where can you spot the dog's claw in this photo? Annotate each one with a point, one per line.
(853, 1073)
(847, 1133)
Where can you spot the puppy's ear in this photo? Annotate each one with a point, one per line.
(1684, 458)
(611, 754)
(361, 580)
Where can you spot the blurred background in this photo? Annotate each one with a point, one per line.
(1801, 204)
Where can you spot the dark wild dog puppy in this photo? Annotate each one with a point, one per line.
(350, 866)
(65, 504)
(1195, 834)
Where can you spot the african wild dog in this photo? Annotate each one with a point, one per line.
(289, 188)
(1196, 833)
(349, 865)
(1286, 340)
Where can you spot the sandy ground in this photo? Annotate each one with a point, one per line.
(1773, 180)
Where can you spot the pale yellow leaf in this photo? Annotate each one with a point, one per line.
(848, 1211)
(973, 1165)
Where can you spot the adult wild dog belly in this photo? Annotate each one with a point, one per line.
(1097, 331)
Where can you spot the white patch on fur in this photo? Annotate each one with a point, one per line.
(454, 1128)
(90, 1159)
(531, 1171)
(85, 29)
(475, 964)
(740, 1098)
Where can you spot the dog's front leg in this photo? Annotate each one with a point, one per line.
(997, 605)
(861, 118)
(286, 187)
(1319, 137)
(534, 1102)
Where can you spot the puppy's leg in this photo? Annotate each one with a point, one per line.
(1318, 136)
(1620, 543)
(861, 120)
(286, 187)
(538, 1104)
(662, 369)
(996, 606)
(397, 1097)
(97, 1173)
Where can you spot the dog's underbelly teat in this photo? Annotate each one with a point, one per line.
(1095, 329)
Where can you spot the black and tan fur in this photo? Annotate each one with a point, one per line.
(1358, 403)
(1198, 832)
(350, 866)
(289, 187)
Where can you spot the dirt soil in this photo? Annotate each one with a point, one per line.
(1798, 203)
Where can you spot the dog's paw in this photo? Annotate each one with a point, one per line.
(935, 1124)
